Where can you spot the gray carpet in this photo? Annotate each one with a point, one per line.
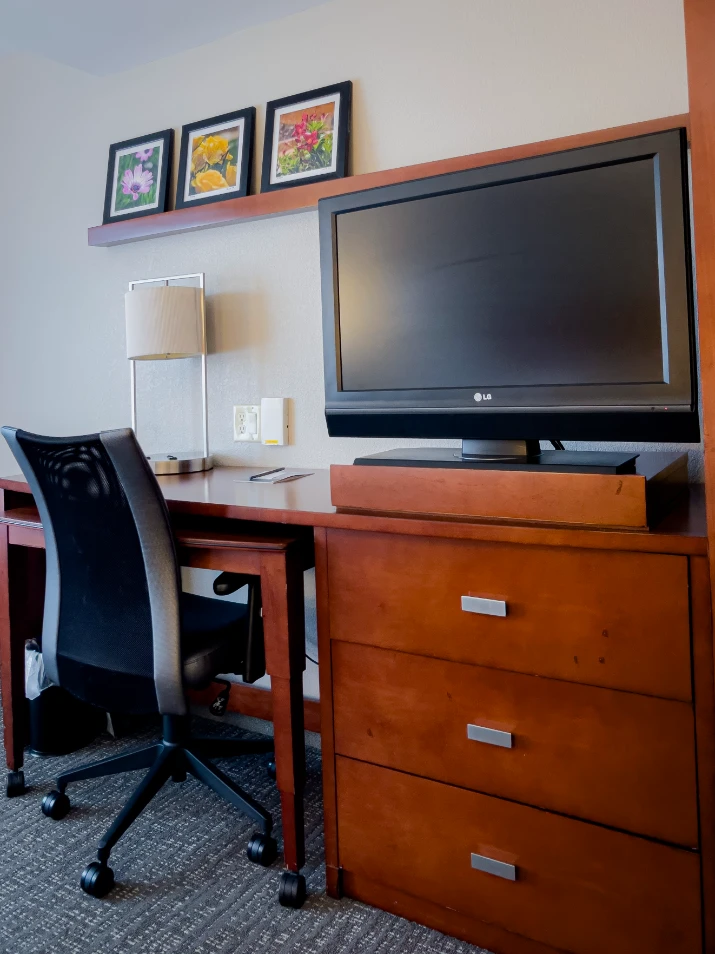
(184, 885)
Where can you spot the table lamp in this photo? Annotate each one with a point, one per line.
(166, 321)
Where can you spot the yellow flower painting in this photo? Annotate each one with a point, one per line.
(216, 148)
(210, 158)
(215, 156)
(208, 181)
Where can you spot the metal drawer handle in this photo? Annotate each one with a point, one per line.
(478, 604)
(493, 867)
(480, 733)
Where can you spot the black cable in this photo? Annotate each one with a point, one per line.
(314, 661)
(557, 445)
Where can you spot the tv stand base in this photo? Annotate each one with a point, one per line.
(505, 455)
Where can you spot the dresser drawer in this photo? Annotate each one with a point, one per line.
(618, 758)
(576, 886)
(603, 618)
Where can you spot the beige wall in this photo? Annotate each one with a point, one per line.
(433, 78)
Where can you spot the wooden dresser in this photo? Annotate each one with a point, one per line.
(518, 735)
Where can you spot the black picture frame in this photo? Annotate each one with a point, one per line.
(113, 213)
(243, 174)
(338, 168)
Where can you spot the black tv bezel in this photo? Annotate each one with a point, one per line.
(453, 413)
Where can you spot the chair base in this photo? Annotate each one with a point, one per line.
(172, 758)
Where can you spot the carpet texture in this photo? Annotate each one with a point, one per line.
(184, 884)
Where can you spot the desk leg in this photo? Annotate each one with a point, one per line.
(21, 603)
(284, 630)
(288, 723)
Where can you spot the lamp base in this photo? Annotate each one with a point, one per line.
(179, 463)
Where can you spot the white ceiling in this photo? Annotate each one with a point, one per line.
(106, 36)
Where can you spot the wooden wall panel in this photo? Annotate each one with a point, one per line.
(700, 42)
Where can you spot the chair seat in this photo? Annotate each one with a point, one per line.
(213, 638)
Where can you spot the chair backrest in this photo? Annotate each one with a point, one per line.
(111, 630)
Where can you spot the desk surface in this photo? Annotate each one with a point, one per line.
(306, 502)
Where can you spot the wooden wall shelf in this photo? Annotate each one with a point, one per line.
(305, 198)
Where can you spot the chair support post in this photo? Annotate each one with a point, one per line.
(175, 730)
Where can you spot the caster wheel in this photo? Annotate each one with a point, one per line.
(55, 805)
(15, 784)
(97, 879)
(271, 769)
(262, 849)
(292, 890)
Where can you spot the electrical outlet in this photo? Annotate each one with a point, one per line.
(246, 422)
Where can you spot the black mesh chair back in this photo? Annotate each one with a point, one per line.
(111, 631)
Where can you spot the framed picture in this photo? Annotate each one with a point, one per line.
(307, 137)
(216, 157)
(137, 176)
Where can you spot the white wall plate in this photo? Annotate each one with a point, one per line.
(246, 422)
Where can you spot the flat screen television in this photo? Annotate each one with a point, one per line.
(544, 298)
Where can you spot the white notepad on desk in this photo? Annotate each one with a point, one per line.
(274, 476)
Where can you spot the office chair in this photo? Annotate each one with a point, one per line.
(119, 633)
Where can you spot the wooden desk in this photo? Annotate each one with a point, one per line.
(209, 538)
(602, 670)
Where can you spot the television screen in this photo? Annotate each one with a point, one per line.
(471, 304)
(549, 281)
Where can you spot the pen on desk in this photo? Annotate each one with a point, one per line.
(265, 473)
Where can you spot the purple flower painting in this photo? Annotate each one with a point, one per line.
(136, 172)
(136, 182)
(137, 176)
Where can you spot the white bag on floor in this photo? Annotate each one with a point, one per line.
(35, 676)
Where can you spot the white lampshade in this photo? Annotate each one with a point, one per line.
(164, 322)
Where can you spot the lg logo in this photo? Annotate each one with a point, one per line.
(482, 397)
